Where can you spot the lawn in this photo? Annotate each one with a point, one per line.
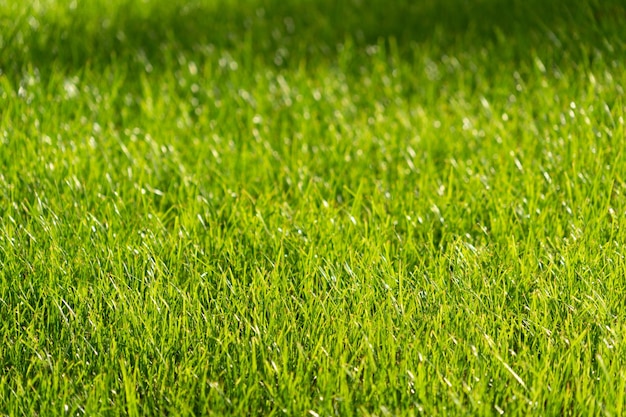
(312, 207)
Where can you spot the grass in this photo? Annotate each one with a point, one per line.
(312, 207)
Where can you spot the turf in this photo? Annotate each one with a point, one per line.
(312, 207)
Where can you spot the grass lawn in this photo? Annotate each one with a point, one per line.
(312, 207)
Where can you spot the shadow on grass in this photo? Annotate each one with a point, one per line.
(279, 32)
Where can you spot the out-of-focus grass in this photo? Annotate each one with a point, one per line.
(311, 207)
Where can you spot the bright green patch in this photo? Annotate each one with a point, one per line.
(292, 207)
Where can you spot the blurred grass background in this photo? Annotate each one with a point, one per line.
(74, 34)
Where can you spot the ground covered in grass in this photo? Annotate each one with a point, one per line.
(335, 208)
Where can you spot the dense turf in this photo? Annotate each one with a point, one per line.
(333, 208)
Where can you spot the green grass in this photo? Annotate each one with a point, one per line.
(312, 207)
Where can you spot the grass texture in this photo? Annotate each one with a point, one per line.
(315, 208)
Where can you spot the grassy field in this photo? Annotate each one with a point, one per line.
(299, 207)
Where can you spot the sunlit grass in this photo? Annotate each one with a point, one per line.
(308, 207)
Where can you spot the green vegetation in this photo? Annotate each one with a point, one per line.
(312, 207)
